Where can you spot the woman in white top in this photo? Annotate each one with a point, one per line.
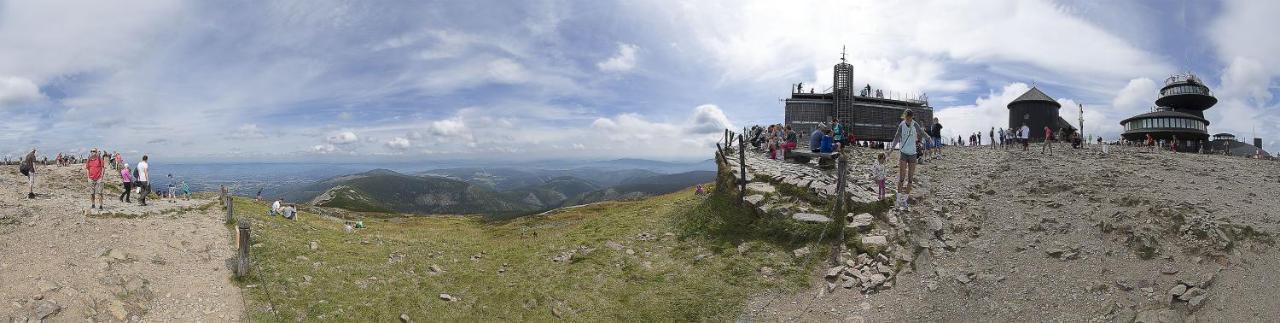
(909, 134)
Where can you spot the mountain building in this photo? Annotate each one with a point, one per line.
(1226, 144)
(1037, 110)
(1179, 114)
(870, 114)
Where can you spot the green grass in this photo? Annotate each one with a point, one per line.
(662, 281)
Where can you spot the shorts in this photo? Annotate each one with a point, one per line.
(910, 158)
(95, 187)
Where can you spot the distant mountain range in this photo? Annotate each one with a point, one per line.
(495, 192)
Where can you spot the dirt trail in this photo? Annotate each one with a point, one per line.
(163, 262)
(1073, 236)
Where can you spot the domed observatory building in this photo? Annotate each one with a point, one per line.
(1037, 110)
(1179, 113)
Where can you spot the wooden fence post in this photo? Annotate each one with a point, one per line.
(222, 196)
(242, 247)
(230, 209)
(842, 170)
(742, 166)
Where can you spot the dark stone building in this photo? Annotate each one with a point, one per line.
(1226, 144)
(868, 113)
(1037, 110)
(1179, 114)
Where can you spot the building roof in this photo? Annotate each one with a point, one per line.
(1164, 114)
(1035, 95)
(1223, 134)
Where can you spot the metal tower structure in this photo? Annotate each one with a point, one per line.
(842, 90)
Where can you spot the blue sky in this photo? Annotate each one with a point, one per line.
(520, 80)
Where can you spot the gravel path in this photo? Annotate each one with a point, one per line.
(163, 262)
(1073, 236)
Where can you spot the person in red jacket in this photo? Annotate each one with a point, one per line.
(94, 167)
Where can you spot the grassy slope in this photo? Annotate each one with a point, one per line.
(660, 282)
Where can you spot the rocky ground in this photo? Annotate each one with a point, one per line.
(61, 262)
(1007, 235)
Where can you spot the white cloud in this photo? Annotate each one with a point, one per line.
(324, 149)
(1136, 97)
(343, 138)
(18, 90)
(986, 112)
(623, 61)
(1247, 79)
(248, 131)
(398, 143)
(708, 118)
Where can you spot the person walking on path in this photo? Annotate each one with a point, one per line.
(144, 175)
(28, 169)
(94, 167)
(1151, 143)
(877, 173)
(909, 134)
(126, 181)
(1048, 142)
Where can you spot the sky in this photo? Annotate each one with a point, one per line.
(386, 81)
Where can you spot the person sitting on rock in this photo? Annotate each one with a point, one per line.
(815, 140)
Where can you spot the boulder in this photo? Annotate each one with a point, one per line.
(45, 309)
(1177, 290)
(800, 253)
(1192, 292)
(875, 242)
(754, 199)
(860, 222)
(833, 272)
(314, 245)
(810, 217)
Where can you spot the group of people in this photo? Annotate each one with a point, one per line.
(134, 180)
(288, 211)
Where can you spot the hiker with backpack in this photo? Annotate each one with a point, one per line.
(28, 169)
(94, 167)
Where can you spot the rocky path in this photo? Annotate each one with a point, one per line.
(163, 262)
(1001, 235)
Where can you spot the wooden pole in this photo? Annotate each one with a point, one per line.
(230, 210)
(842, 167)
(742, 166)
(242, 246)
(222, 196)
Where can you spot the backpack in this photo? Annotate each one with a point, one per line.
(135, 174)
(25, 169)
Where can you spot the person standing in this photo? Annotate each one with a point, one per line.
(909, 134)
(94, 166)
(126, 181)
(1048, 143)
(991, 134)
(28, 168)
(936, 133)
(143, 180)
(1023, 134)
(837, 130)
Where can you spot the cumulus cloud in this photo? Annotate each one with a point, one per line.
(708, 118)
(1246, 78)
(343, 138)
(623, 61)
(986, 112)
(18, 90)
(398, 143)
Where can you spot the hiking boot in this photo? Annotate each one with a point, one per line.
(31, 196)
